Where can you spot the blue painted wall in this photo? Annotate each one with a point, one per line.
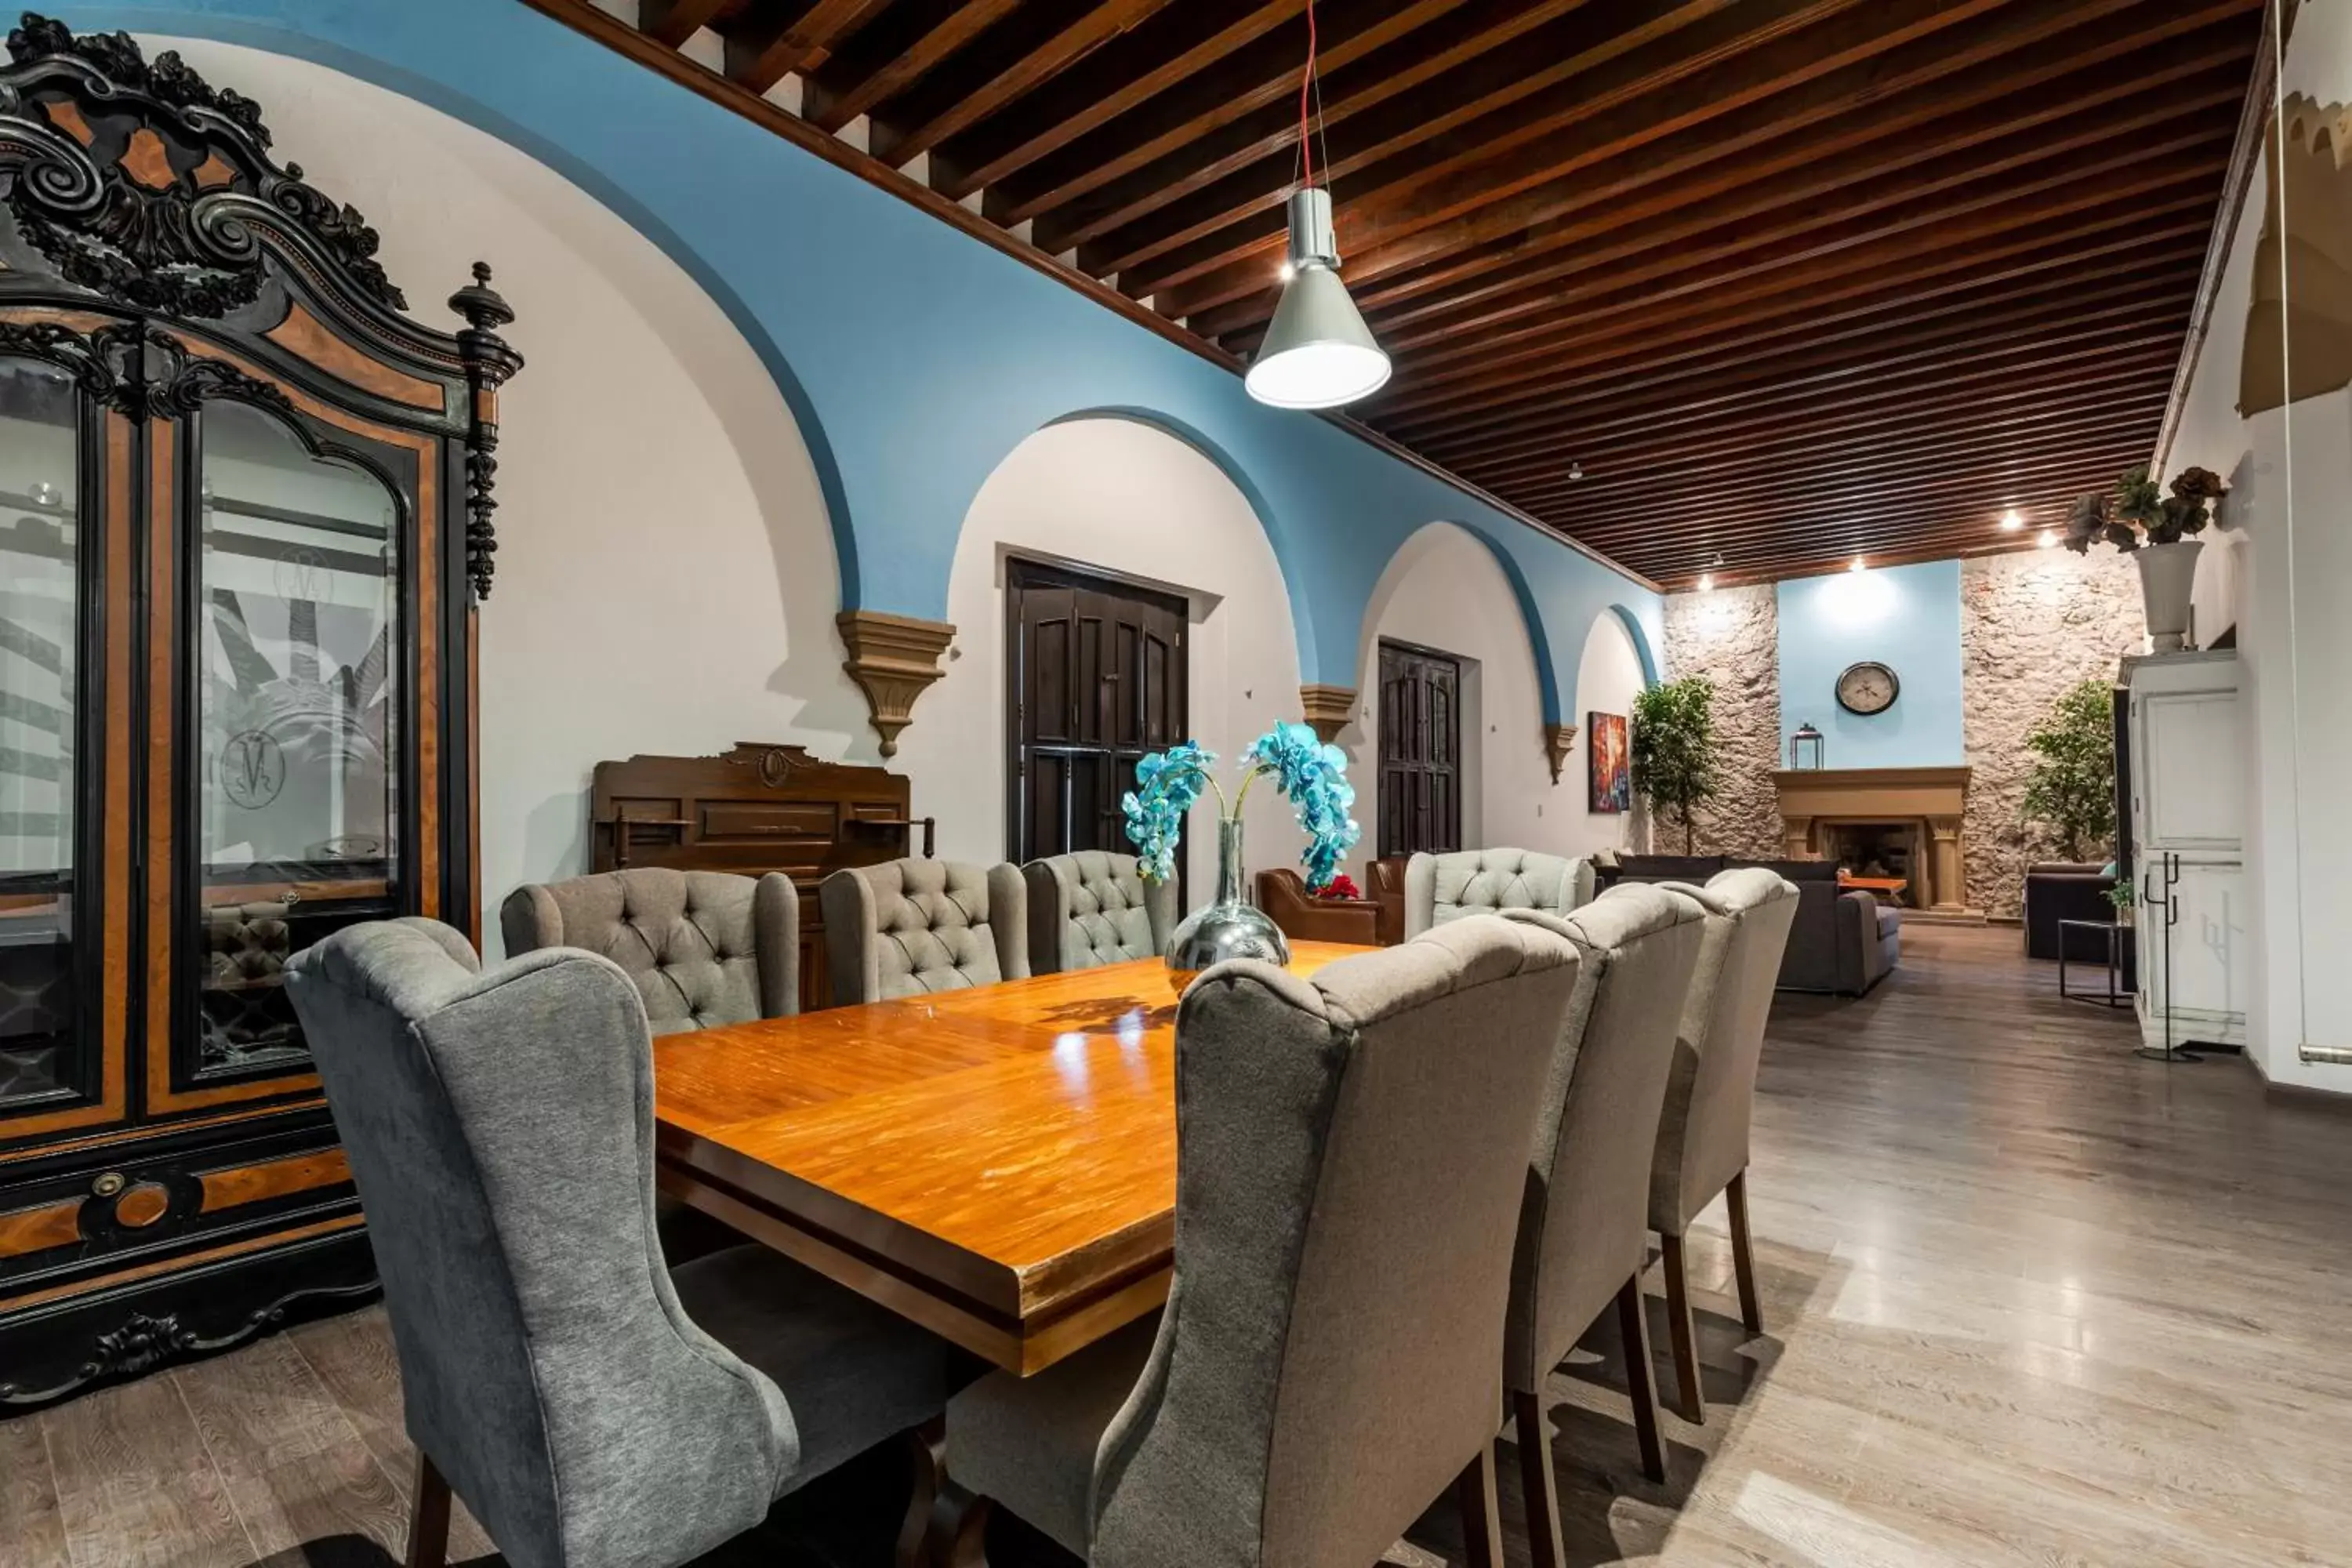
(1906, 617)
(914, 357)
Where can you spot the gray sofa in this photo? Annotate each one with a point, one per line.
(1841, 942)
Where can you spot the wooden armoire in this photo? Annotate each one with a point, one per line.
(245, 520)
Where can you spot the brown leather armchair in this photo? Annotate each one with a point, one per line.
(1375, 920)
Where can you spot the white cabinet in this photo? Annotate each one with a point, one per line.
(2188, 796)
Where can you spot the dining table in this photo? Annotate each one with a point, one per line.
(995, 1163)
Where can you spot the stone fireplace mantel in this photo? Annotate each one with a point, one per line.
(1934, 799)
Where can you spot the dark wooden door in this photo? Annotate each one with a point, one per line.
(1094, 678)
(1421, 751)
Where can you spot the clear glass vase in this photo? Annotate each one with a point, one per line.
(1229, 925)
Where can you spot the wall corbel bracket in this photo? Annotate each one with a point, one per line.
(892, 658)
(1559, 741)
(1328, 710)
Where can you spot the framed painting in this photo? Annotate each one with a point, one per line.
(1610, 759)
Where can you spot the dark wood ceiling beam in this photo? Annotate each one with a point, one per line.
(1986, 472)
(1975, 175)
(1001, 70)
(1176, 45)
(1809, 540)
(1439, 432)
(2059, 399)
(1452, 231)
(1617, 367)
(1953, 509)
(673, 22)
(762, 52)
(1660, 431)
(907, 42)
(1397, 102)
(1862, 360)
(1191, 137)
(2123, 239)
(1961, 436)
(1661, 89)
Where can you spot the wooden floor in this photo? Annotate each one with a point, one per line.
(2032, 1301)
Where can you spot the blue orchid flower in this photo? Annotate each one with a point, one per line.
(1310, 775)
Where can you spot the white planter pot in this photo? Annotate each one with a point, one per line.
(2167, 574)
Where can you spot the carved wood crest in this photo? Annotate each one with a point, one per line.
(141, 182)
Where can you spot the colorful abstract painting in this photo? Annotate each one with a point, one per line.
(1611, 759)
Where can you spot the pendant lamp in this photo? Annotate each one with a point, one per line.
(1318, 352)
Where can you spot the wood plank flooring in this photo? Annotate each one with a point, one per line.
(2029, 1301)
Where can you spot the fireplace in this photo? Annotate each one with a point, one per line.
(1907, 820)
(1877, 849)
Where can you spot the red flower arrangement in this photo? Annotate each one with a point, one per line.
(1342, 886)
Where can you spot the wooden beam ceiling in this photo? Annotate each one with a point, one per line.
(1748, 286)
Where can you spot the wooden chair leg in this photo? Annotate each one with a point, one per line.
(1743, 1255)
(927, 1453)
(1482, 1517)
(1634, 1325)
(1678, 1322)
(958, 1527)
(1541, 1488)
(428, 1517)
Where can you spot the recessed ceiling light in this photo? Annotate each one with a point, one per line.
(2010, 522)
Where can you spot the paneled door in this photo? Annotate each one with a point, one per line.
(1094, 677)
(1421, 751)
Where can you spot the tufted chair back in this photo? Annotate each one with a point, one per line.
(500, 1129)
(905, 927)
(1703, 1134)
(1584, 1230)
(704, 948)
(1441, 888)
(1094, 908)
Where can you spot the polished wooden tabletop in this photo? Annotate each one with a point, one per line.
(997, 1164)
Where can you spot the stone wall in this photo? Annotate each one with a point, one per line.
(2031, 624)
(1731, 636)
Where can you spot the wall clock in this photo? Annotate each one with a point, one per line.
(1868, 687)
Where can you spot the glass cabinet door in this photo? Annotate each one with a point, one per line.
(298, 700)
(46, 1053)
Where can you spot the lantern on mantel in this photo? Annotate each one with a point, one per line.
(1805, 747)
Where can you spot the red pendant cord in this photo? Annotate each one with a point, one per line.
(1305, 81)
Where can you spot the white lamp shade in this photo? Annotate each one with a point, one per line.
(1318, 352)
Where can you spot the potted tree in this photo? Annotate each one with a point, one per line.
(1674, 749)
(2071, 788)
(2154, 529)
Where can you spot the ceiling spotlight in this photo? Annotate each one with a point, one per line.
(1706, 582)
(1855, 565)
(1288, 271)
(2049, 540)
(2011, 521)
(1575, 470)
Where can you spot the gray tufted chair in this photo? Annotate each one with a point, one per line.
(905, 927)
(1329, 1358)
(592, 1407)
(1703, 1134)
(1441, 888)
(1093, 907)
(703, 948)
(1584, 1235)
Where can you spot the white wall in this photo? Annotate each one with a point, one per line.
(666, 579)
(1123, 497)
(2280, 571)
(1444, 590)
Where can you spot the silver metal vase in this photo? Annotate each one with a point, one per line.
(1229, 925)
